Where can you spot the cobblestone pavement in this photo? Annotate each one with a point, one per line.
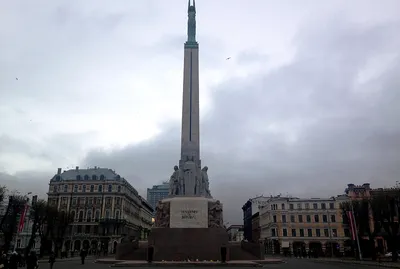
(290, 263)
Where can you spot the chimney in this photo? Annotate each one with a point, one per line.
(77, 168)
(58, 171)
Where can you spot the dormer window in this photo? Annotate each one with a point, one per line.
(78, 177)
(86, 177)
(58, 178)
(102, 177)
(94, 177)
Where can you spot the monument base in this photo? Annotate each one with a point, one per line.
(188, 243)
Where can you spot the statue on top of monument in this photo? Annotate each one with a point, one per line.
(174, 184)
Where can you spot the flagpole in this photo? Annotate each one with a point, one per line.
(356, 232)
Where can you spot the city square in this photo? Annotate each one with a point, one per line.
(212, 203)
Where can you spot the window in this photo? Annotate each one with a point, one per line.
(110, 188)
(284, 232)
(65, 188)
(323, 206)
(117, 214)
(102, 177)
(326, 232)
(89, 216)
(315, 206)
(74, 201)
(324, 218)
(294, 232)
(292, 218)
(301, 232)
(108, 201)
(283, 206)
(117, 201)
(334, 233)
(318, 232)
(274, 217)
(91, 188)
(333, 218)
(316, 218)
(97, 216)
(273, 232)
(86, 177)
(307, 205)
(299, 206)
(107, 214)
(75, 188)
(90, 201)
(80, 219)
(94, 177)
(284, 218)
(300, 218)
(309, 232)
(308, 218)
(73, 215)
(291, 207)
(100, 188)
(119, 188)
(55, 188)
(78, 177)
(331, 206)
(84, 188)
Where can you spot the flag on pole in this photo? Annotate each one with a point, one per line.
(353, 229)
(22, 218)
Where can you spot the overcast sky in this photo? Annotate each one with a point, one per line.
(308, 102)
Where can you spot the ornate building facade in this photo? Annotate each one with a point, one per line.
(291, 224)
(104, 207)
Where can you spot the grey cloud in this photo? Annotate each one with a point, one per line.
(301, 129)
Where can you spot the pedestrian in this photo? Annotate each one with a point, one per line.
(13, 262)
(3, 261)
(52, 259)
(32, 261)
(83, 255)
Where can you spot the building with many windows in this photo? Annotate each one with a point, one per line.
(157, 193)
(289, 224)
(250, 216)
(104, 206)
(235, 232)
(21, 239)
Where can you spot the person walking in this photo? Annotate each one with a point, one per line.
(83, 255)
(52, 260)
(32, 261)
(13, 263)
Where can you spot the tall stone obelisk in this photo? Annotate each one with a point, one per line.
(190, 164)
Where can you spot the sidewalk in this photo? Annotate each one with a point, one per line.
(75, 258)
(384, 264)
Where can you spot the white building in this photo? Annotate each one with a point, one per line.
(235, 233)
(292, 224)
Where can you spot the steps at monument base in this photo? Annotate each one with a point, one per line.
(237, 253)
(183, 243)
(132, 251)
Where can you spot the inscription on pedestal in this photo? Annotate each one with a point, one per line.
(189, 213)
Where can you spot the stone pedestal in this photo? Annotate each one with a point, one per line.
(188, 228)
(179, 244)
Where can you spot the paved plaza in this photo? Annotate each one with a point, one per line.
(290, 263)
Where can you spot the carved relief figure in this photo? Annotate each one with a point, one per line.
(162, 215)
(215, 219)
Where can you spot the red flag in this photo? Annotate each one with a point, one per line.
(22, 218)
(353, 229)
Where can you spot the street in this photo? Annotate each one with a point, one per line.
(290, 263)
